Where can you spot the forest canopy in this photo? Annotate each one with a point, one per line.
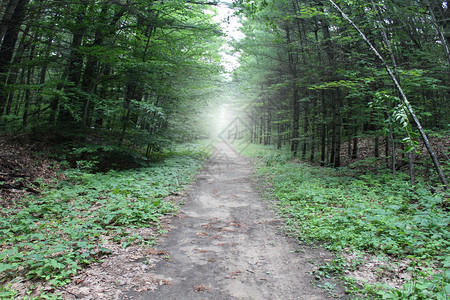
(139, 69)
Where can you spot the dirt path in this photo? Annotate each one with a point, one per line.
(227, 243)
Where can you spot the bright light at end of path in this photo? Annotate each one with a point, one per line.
(225, 116)
(218, 119)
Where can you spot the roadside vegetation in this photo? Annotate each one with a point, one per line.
(395, 234)
(50, 236)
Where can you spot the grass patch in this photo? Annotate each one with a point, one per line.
(372, 214)
(51, 237)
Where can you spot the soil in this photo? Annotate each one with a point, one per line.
(23, 170)
(227, 243)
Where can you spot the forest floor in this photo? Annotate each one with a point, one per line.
(226, 240)
(227, 243)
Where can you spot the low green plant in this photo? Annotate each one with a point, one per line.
(53, 236)
(7, 293)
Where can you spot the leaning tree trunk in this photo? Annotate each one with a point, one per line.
(412, 175)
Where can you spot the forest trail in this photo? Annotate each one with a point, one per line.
(227, 244)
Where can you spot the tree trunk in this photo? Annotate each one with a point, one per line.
(295, 94)
(269, 123)
(305, 130)
(386, 150)
(7, 17)
(338, 130)
(412, 172)
(324, 131)
(42, 76)
(261, 129)
(279, 137)
(377, 147)
(13, 72)
(355, 147)
(28, 90)
(295, 116)
(7, 47)
(392, 150)
(131, 89)
(313, 127)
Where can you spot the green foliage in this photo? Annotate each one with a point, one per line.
(371, 213)
(7, 293)
(53, 236)
(133, 81)
(95, 158)
(398, 116)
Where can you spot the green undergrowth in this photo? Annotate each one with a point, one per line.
(371, 213)
(52, 236)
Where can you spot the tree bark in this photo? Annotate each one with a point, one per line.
(323, 131)
(28, 90)
(295, 116)
(295, 94)
(305, 130)
(313, 126)
(7, 16)
(377, 147)
(338, 129)
(279, 137)
(355, 148)
(7, 47)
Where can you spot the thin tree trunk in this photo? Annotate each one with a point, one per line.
(261, 129)
(355, 148)
(305, 130)
(313, 126)
(42, 76)
(13, 72)
(269, 123)
(338, 124)
(131, 89)
(377, 147)
(386, 150)
(279, 137)
(295, 116)
(412, 173)
(28, 90)
(332, 149)
(324, 131)
(391, 133)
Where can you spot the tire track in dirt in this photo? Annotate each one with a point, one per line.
(226, 244)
